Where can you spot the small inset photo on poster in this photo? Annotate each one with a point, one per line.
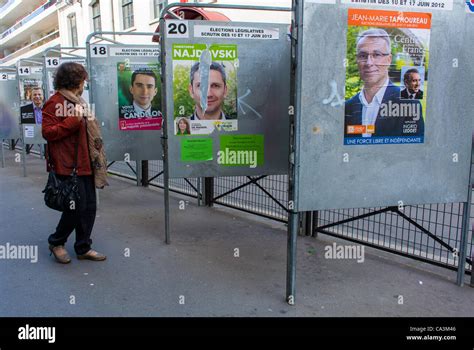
(31, 101)
(386, 86)
(413, 80)
(204, 88)
(182, 126)
(139, 96)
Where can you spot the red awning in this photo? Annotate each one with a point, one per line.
(191, 13)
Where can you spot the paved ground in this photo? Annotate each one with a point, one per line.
(198, 274)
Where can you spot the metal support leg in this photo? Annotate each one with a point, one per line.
(145, 175)
(472, 254)
(24, 157)
(199, 195)
(465, 232)
(167, 204)
(308, 223)
(315, 223)
(464, 235)
(293, 227)
(138, 171)
(41, 151)
(208, 191)
(3, 156)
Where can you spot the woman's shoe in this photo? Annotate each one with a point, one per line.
(92, 255)
(60, 253)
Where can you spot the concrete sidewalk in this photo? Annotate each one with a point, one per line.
(198, 274)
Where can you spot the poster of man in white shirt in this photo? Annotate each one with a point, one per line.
(205, 88)
(139, 100)
(374, 111)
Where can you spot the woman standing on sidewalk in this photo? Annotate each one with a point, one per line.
(73, 136)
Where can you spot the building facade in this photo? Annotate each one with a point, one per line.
(29, 27)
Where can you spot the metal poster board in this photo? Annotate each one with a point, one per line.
(227, 98)
(226, 95)
(383, 103)
(126, 95)
(31, 90)
(51, 63)
(9, 104)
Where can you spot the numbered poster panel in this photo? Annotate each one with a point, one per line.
(30, 79)
(384, 116)
(126, 94)
(227, 103)
(51, 64)
(32, 98)
(9, 105)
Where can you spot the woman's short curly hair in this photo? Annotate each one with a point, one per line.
(69, 76)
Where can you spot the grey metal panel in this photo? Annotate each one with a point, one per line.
(264, 70)
(138, 144)
(37, 138)
(382, 175)
(51, 70)
(35, 130)
(9, 106)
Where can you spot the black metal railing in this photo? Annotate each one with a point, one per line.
(430, 233)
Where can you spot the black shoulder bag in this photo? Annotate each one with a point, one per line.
(62, 194)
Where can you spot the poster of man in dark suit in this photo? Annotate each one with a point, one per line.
(31, 112)
(413, 84)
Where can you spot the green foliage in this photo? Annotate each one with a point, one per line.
(353, 82)
(182, 100)
(230, 103)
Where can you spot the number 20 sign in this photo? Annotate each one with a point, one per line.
(177, 29)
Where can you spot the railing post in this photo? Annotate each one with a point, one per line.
(315, 223)
(308, 223)
(208, 191)
(145, 173)
(138, 171)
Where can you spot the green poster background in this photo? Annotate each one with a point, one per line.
(196, 149)
(243, 143)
